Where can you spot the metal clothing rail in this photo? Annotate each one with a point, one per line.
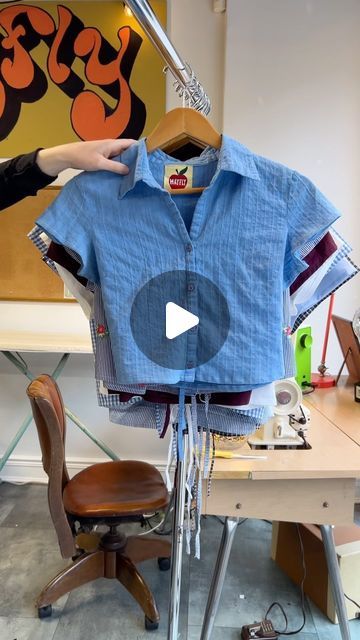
(186, 82)
(187, 86)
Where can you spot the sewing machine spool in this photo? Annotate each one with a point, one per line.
(281, 431)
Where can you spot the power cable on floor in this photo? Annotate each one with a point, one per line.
(353, 601)
(285, 632)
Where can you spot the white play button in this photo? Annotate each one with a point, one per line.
(178, 320)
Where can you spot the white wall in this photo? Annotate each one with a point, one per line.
(292, 93)
(198, 35)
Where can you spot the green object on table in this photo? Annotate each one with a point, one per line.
(303, 356)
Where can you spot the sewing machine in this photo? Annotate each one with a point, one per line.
(290, 423)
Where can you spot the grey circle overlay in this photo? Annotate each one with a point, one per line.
(192, 292)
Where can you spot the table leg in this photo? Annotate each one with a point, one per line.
(335, 579)
(90, 435)
(15, 441)
(21, 364)
(218, 577)
(177, 544)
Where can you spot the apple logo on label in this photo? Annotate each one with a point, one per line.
(178, 180)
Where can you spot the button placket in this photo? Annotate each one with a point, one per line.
(192, 306)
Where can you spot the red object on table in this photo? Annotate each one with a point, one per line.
(321, 380)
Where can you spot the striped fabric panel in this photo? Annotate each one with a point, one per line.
(139, 413)
(311, 244)
(300, 319)
(288, 347)
(36, 238)
(223, 423)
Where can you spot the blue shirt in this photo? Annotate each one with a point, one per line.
(245, 232)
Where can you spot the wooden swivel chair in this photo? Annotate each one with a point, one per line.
(109, 493)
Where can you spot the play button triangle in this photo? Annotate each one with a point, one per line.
(178, 320)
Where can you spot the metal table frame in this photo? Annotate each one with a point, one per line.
(18, 361)
(222, 560)
(218, 578)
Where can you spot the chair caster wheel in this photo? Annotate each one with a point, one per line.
(150, 625)
(164, 564)
(45, 612)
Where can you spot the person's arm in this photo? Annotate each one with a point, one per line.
(21, 177)
(26, 174)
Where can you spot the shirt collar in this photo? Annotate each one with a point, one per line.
(237, 158)
(232, 156)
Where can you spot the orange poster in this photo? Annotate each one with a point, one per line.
(76, 71)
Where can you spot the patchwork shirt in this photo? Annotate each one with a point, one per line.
(247, 233)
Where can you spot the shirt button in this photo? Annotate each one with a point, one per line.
(193, 329)
(191, 287)
(188, 248)
(190, 364)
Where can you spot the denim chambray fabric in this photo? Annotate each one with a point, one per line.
(247, 233)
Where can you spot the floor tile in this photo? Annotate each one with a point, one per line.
(252, 583)
(27, 628)
(31, 509)
(9, 490)
(6, 506)
(327, 630)
(219, 633)
(30, 560)
(119, 615)
(230, 633)
(104, 611)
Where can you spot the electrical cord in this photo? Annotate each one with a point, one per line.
(353, 601)
(277, 604)
(167, 532)
(308, 388)
(146, 533)
(302, 420)
(147, 520)
(286, 632)
(301, 435)
(300, 431)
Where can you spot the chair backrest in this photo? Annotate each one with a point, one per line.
(48, 411)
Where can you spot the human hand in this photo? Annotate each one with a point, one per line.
(94, 155)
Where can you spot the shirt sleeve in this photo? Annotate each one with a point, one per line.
(21, 177)
(310, 214)
(66, 222)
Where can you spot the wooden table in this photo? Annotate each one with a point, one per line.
(12, 343)
(45, 342)
(316, 485)
(337, 404)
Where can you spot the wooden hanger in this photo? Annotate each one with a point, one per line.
(179, 127)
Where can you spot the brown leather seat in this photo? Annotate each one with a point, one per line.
(126, 487)
(107, 493)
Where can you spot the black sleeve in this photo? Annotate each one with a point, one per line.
(21, 177)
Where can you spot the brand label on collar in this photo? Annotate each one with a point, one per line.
(178, 177)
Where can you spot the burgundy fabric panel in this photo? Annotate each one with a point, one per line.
(58, 253)
(166, 421)
(162, 397)
(315, 259)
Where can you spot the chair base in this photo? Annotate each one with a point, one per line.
(113, 564)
